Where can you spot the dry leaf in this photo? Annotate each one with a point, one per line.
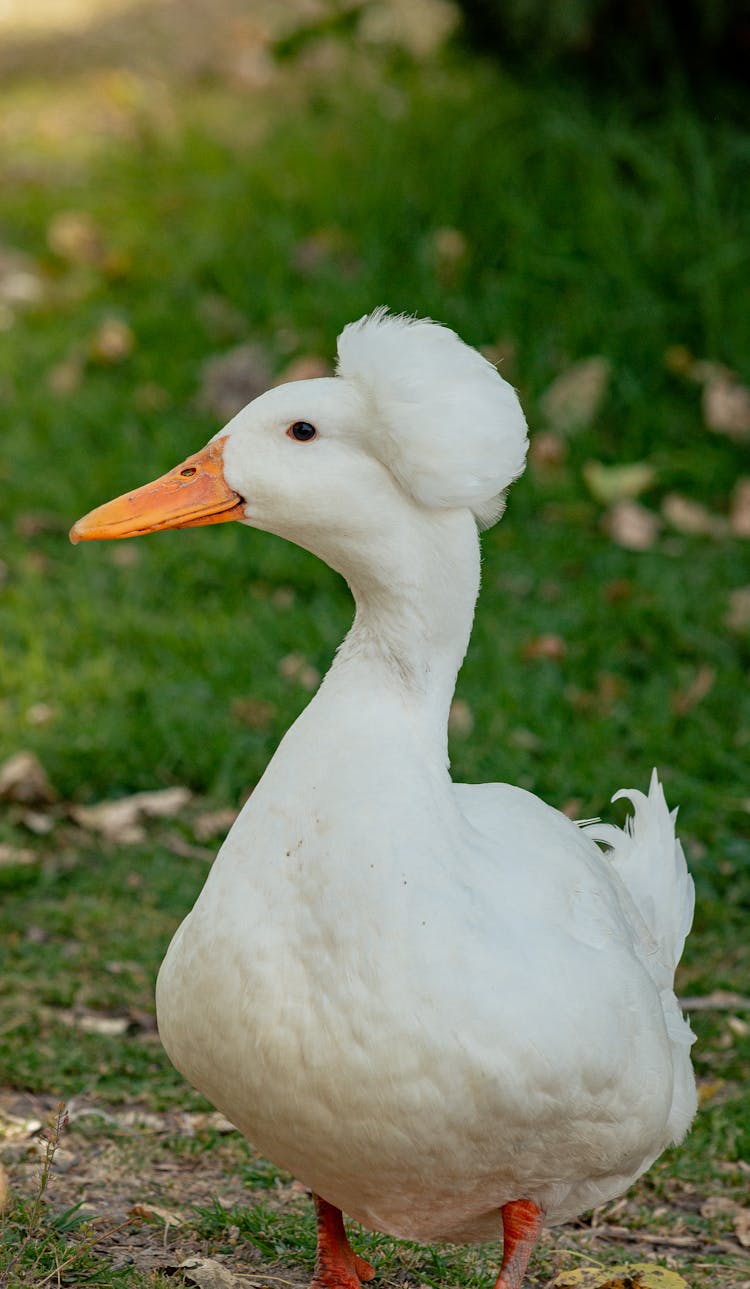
(546, 646)
(691, 518)
(294, 666)
(74, 236)
(449, 251)
(634, 1275)
(38, 822)
(231, 380)
(207, 1273)
(460, 718)
(609, 483)
(721, 1000)
(16, 856)
(15, 1128)
(213, 823)
(573, 400)
(4, 1189)
(306, 367)
(632, 526)
(90, 1022)
(222, 320)
(112, 342)
(739, 510)
(717, 1205)
(120, 821)
(726, 407)
(24, 780)
(699, 686)
(253, 712)
(40, 714)
(326, 248)
(547, 452)
(737, 617)
(65, 377)
(741, 1223)
(149, 1211)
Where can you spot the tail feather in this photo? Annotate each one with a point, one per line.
(649, 860)
(659, 898)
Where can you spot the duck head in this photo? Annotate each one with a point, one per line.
(415, 423)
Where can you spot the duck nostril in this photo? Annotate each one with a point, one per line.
(188, 472)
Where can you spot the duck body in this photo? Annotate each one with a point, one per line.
(422, 999)
(441, 1006)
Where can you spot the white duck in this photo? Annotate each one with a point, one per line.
(439, 1005)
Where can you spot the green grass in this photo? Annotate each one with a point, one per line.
(587, 230)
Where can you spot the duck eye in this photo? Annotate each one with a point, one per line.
(302, 431)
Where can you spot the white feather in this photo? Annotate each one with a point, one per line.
(444, 420)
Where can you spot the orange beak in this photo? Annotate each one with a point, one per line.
(193, 494)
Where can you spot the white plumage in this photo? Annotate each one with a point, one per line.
(426, 1000)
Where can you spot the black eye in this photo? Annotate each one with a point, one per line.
(302, 431)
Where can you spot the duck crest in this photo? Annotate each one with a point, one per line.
(449, 427)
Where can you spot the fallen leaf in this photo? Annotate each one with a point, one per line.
(632, 526)
(573, 400)
(185, 850)
(718, 1205)
(256, 713)
(449, 251)
(294, 666)
(38, 822)
(691, 518)
(151, 397)
(112, 342)
(16, 856)
(74, 236)
(739, 510)
(326, 248)
(40, 714)
(149, 1211)
(634, 1275)
(547, 452)
(207, 1273)
(699, 687)
(609, 483)
(460, 718)
(222, 320)
(23, 779)
(231, 380)
(4, 1189)
(306, 367)
(741, 1223)
(90, 1022)
(65, 377)
(726, 407)
(678, 359)
(721, 1000)
(120, 820)
(546, 646)
(16, 1128)
(213, 823)
(737, 616)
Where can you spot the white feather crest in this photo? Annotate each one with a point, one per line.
(447, 425)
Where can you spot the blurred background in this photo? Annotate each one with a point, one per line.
(194, 198)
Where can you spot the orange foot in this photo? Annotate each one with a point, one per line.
(337, 1266)
(522, 1226)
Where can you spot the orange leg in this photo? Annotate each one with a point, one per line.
(337, 1266)
(522, 1226)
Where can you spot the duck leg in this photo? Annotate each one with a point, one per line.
(522, 1226)
(337, 1266)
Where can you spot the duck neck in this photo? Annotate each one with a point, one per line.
(414, 612)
